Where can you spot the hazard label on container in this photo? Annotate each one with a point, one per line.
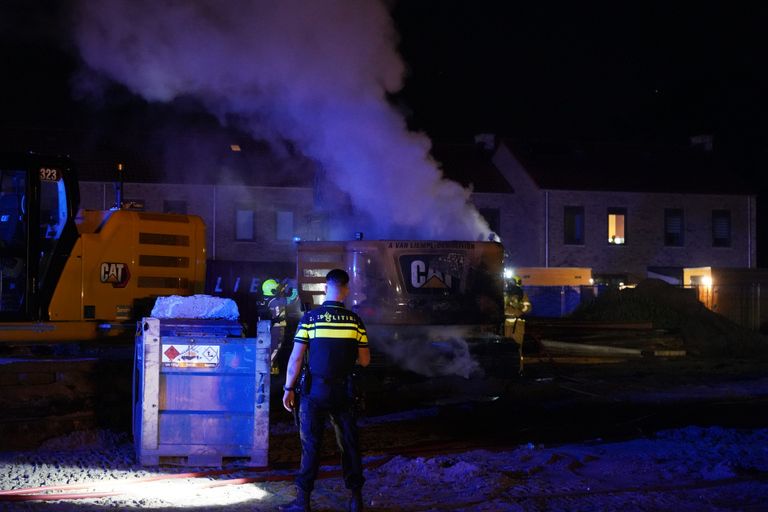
(197, 356)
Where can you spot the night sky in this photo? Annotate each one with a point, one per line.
(650, 73)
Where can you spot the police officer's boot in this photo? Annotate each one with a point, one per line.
(356, 501)
(299, 504)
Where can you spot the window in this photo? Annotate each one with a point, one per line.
(617, 226)
(574, 225)
(13, 241)
(673, 227)
(174, 206)
(491, 216)
(285, 226)
(53, 218)
(244, 225)
(721, 228)
(53, 208)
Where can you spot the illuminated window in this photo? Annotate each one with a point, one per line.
(244, 225)
(673, 227)
(574, 225)
(617, 226)
(721, 228)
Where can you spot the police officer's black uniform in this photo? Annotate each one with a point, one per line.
(333, 335)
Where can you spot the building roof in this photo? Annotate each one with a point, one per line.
(470, 165)
(568, 165)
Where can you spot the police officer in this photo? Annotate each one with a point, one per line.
(334, 338)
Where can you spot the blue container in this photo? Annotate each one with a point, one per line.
(553, 301)
(200, 395)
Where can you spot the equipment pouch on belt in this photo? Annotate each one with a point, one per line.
(305, 381)
(301, 388)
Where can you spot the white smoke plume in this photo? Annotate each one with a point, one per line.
(315, 73)
(437, 352)
(448, 357)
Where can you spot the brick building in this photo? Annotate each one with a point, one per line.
(620, 211)
(624, 212)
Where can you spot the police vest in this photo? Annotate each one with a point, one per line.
(333, 335)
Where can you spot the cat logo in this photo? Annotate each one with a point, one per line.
(423, 275)
(115, 273)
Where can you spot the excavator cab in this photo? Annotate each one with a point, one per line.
(38, 202)
(71, 274)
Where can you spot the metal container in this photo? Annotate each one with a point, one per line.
(201, 393)
(553, 301)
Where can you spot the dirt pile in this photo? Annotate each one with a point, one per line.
(677, 310)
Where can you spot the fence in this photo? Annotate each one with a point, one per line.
(743, 303)
(558, 301)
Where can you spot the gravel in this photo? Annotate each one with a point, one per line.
(692, 468)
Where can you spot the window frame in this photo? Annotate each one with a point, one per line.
(289, 237)
(617, 210)
(726, 215)
(578, 213)
(669, 214)
(237, 233)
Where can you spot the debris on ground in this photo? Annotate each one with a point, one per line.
(704, 332)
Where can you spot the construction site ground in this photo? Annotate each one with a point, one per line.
(566, 398)
(596, 427)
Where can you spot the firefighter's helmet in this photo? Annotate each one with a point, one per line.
(269, 288)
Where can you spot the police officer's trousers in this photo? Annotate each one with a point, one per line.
(323, 402)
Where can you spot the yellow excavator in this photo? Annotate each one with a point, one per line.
(68, 274)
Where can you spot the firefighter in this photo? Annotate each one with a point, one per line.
(333, 338)
(516, 304)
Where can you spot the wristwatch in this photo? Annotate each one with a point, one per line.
(287, 388)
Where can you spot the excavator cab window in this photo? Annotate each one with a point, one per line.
(53, 216)
(13, 240)
(38, 198)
